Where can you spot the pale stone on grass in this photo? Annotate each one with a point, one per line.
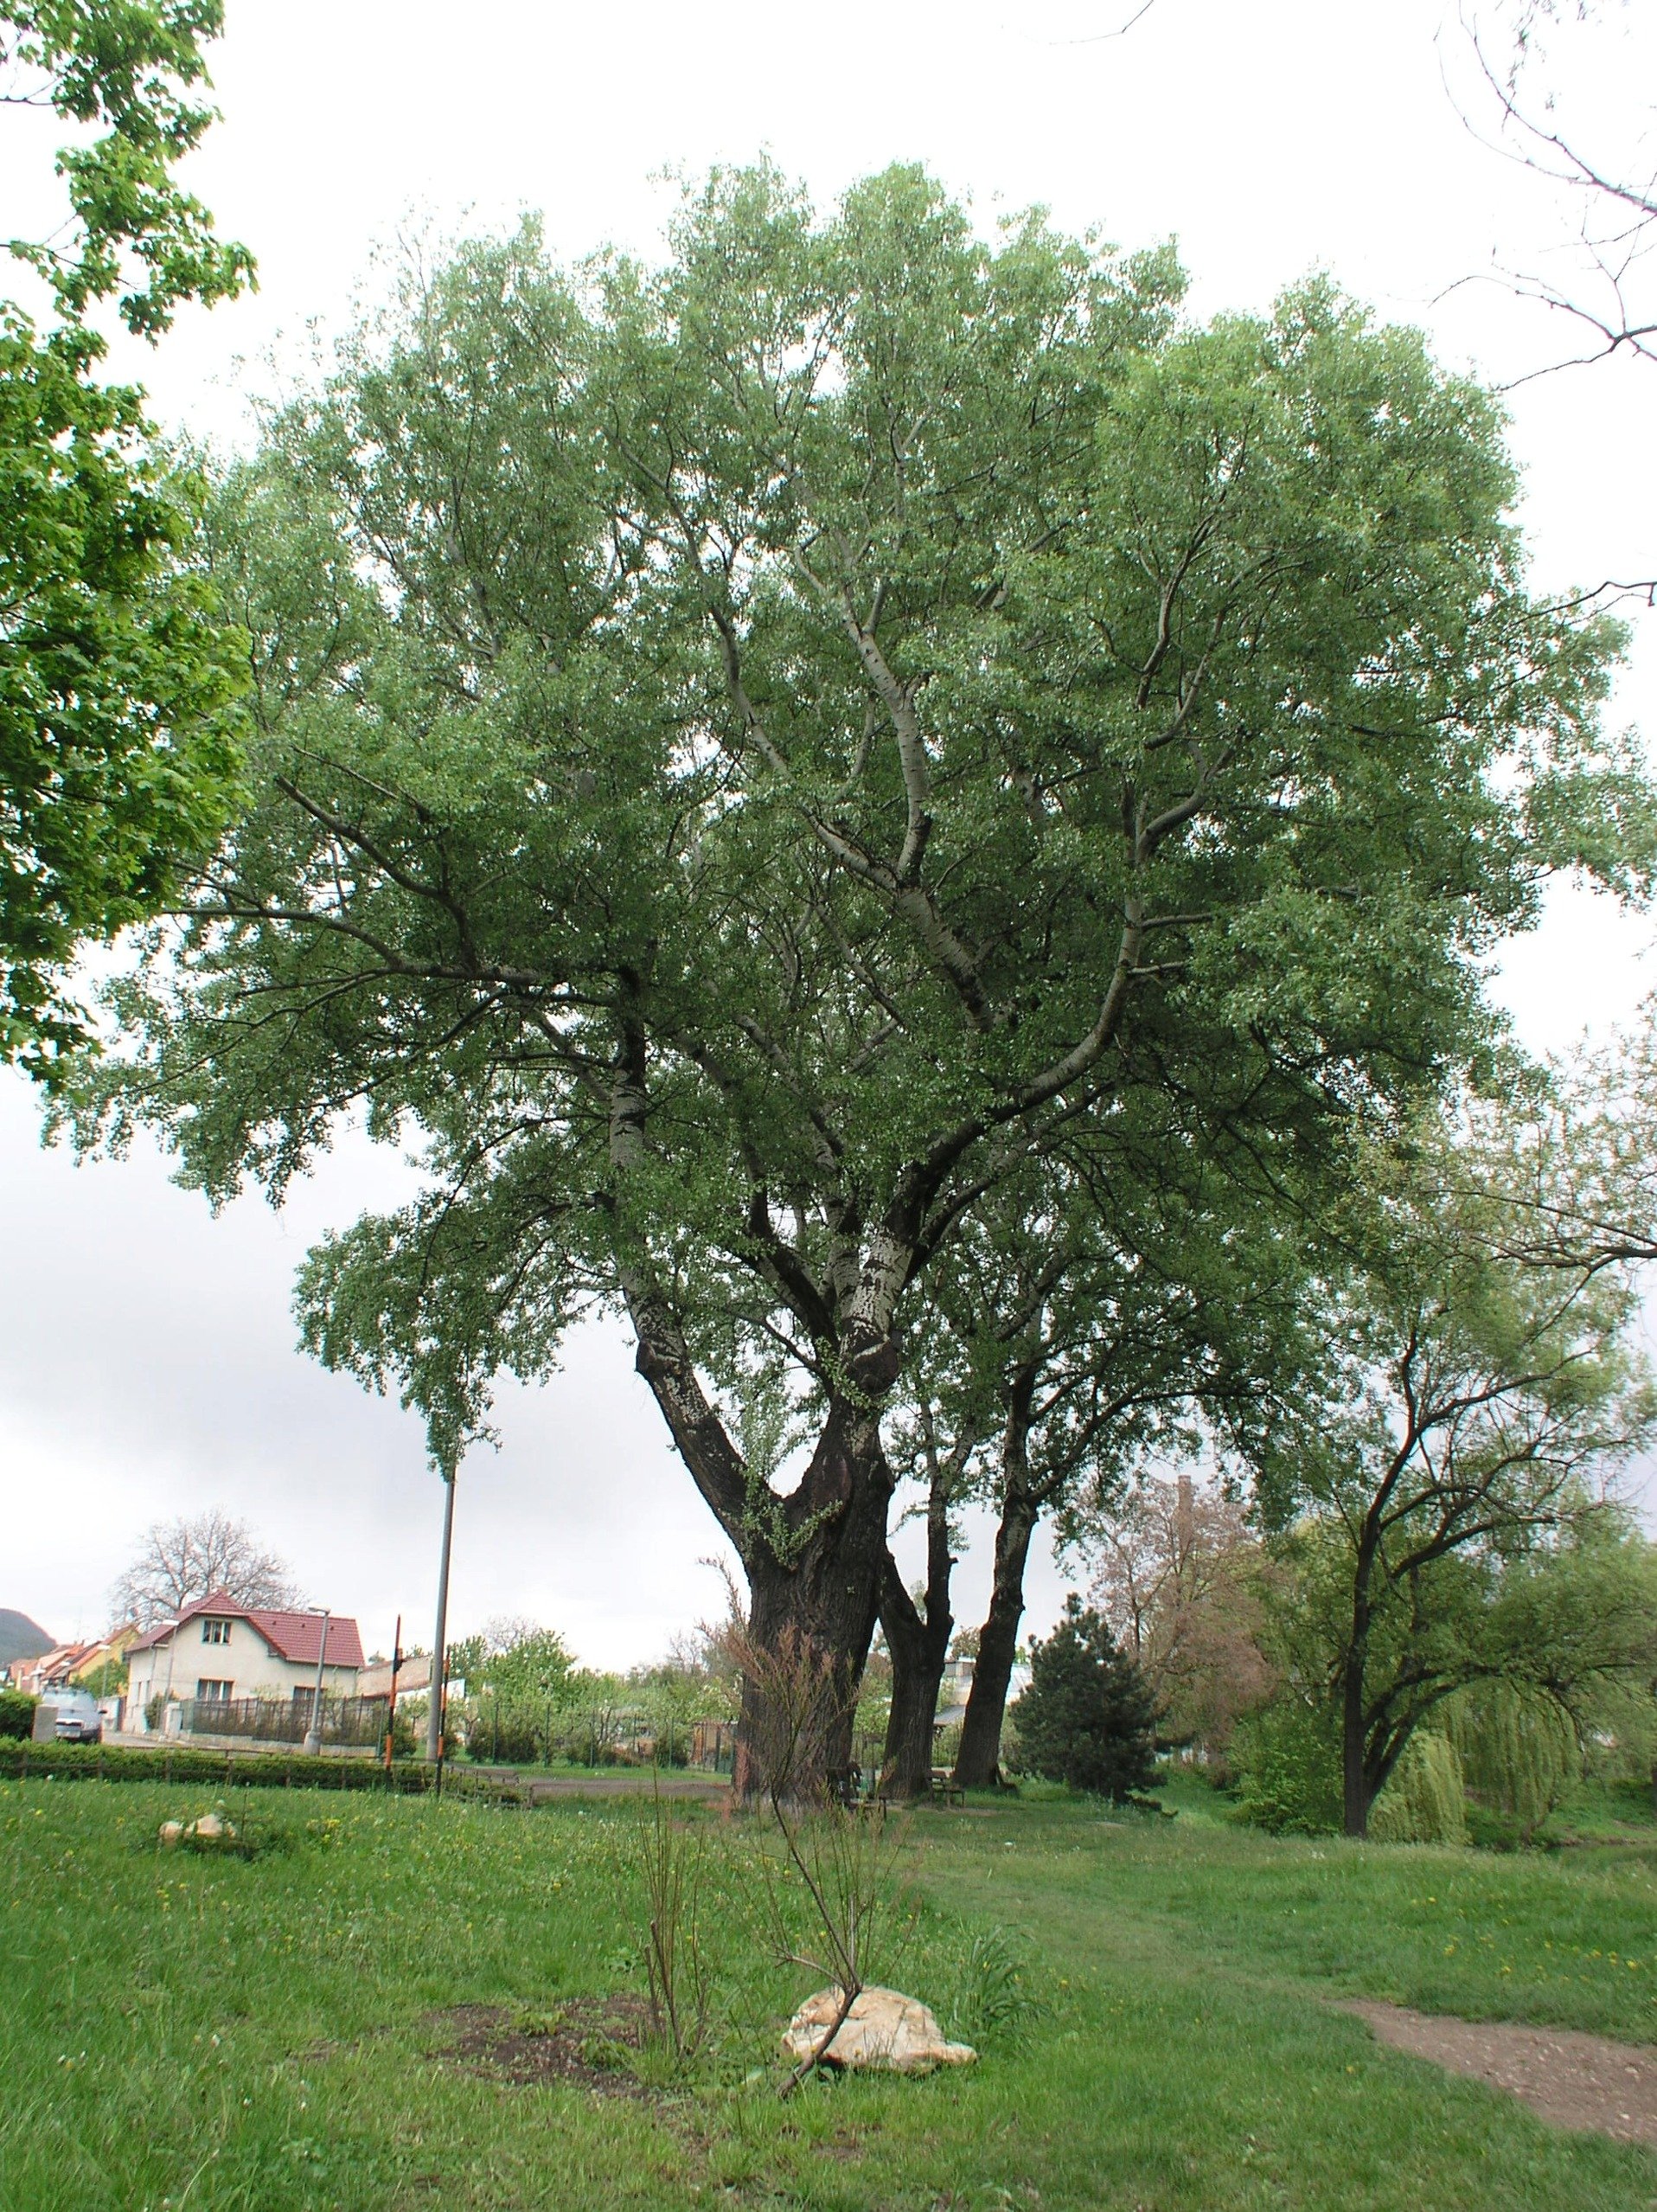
(210, 1826)
(884, 2028)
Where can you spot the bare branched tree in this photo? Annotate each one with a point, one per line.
(1516, 102)
(1176, 1581)
(1518, 108)
(178, 1562)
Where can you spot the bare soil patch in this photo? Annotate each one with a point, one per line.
(625, 1782)
(1571, 2078)
(585, 2041)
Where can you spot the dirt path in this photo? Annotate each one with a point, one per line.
(1573, 2080)
(628, 1782)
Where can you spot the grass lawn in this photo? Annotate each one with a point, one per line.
(189, 2032)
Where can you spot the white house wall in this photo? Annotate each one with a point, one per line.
(245, 1660)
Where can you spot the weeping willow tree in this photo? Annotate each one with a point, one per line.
(1518, 1749)
(1425, 1799)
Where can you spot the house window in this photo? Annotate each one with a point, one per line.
(212, 1693)
(215, 1631)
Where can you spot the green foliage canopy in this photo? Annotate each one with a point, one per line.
(117, 752)
(1425, 1798)
(752, 752)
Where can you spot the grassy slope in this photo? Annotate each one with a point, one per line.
(217, 2034)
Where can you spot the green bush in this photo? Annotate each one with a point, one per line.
(504, 1739)
(590, 1736)
(71, 1763)
(1286, 1760)
(1087, 1718)
(1425, 1800)
(17, 1714)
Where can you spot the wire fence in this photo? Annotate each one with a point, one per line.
(499, 1732)
(352, 1723)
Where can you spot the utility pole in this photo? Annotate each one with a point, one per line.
(314, 1732)
(439, 1645)
(391, 1707)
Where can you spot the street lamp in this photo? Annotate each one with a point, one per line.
(314, 1733)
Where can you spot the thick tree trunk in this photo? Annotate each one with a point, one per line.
(814, 1591)
(919, 1645)
(1354, 1783)
(814, 1558)
(977, 1765)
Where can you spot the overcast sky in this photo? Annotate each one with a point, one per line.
(147, 1359)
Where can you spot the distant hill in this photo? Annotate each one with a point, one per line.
(21, 1638)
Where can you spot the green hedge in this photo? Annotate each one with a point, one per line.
(71, 1763)
(17, 1714)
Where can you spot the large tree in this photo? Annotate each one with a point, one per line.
(117, 686)
(753, 752)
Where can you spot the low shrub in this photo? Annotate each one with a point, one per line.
(71, 1763)
(1286, 1758)
(505, 1738)
(16, 1714)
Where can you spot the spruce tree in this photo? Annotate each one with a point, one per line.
(1086, 1718)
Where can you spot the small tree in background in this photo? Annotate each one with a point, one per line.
(1478, 1402)
(522, 1680)
(1179, 1582)
(1087, 1717)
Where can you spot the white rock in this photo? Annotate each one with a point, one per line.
(211, 1826)
(883, 2028)
(171, 1830)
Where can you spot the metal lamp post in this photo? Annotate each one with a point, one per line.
(314, 1732)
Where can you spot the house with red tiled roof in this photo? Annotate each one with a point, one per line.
(218, 1651)
(53, 1666)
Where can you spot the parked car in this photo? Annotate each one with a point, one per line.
(78, 1718)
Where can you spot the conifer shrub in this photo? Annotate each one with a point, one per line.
(1425, 1800)
(1087, 1717)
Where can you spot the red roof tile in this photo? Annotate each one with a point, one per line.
(291, 1635)
(297, 1635)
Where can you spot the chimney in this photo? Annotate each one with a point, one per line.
(1185, 1519)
